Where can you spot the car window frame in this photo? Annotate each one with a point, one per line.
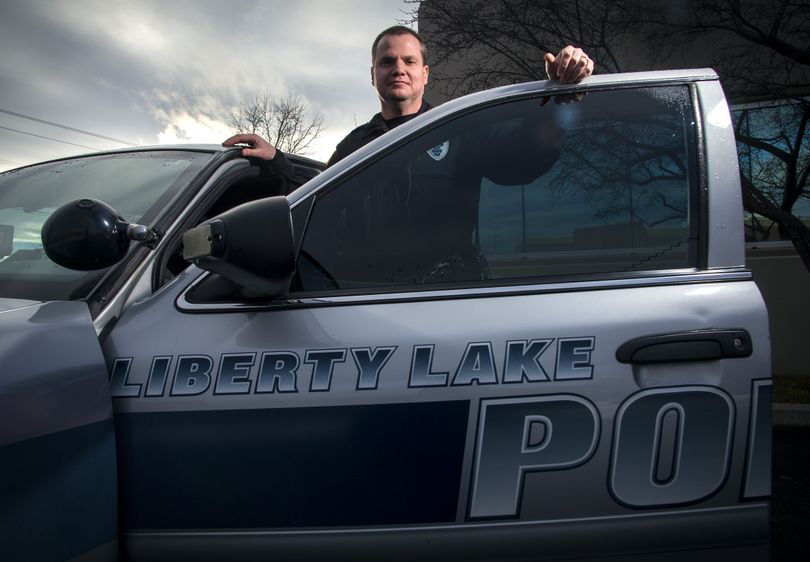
(697, 202)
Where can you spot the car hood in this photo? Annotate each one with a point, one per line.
(14, 304)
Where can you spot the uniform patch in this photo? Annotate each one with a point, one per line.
(439, 151)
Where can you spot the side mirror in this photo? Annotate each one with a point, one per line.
(88, 234)
(252, 245)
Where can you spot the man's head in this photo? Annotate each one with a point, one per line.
(399, 30)
(399, 71)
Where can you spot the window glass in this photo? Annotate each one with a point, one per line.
(136, 184)
(774, 155)
(516, 191)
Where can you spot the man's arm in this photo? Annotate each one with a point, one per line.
(569, 66)
(275, 167)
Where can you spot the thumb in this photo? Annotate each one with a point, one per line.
(549, 58)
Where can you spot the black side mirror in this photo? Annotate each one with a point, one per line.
(251, 245)
(88, 234)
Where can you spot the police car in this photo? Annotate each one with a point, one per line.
(519, 327)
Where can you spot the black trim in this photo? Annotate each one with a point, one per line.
(378, 464)
(698, 345)
(700, 209)
(300, 214)
(763, 408)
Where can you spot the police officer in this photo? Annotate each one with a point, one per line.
(399, 72)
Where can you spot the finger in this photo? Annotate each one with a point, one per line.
(243, 138)
(549, 59)
(252, 152)
(577, 72)
(585, 70)
(574, 63)
(588, 70)
(564, 59)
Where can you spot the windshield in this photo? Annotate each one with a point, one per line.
(136, 184)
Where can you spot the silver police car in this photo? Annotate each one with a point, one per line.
(519, 327)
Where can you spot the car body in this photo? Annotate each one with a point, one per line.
(519, 327)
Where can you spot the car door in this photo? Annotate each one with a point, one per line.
(520, 328)
(57, 444)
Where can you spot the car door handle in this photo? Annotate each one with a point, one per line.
(698, 345)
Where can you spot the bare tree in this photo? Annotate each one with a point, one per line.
(286, 123)
(497, 42)
(763, 55)
(760, 48)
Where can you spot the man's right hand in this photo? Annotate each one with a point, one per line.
(257, 146)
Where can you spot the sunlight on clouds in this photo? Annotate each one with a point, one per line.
(184, 128)
(172, 71)
(142, 36)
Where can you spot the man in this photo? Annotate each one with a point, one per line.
(399, 72)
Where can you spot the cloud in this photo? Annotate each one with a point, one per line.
(183, 128)
(154, 71)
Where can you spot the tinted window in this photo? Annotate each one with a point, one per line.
(516, 191)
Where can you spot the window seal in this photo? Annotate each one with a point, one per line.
(403, 295)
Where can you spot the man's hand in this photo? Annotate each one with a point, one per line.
(570, 65)
(257, 146)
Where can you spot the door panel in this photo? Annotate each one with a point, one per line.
(467, 393)
(57, 447)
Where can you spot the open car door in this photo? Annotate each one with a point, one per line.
(57, 441)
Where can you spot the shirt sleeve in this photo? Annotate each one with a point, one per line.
(279, 175)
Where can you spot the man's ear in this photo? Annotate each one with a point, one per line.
(427, 71)
(372, 76)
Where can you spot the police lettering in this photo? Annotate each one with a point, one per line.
(279, 372)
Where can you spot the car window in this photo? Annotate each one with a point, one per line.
(236, 187)
(137, 185)
(518, 191)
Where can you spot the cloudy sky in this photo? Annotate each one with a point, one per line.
(153, 72)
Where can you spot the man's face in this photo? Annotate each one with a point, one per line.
(399, 73)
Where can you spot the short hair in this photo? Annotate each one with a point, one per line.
(398, 30)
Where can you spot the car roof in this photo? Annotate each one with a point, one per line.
(210, 148)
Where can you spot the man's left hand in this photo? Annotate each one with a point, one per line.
(570, 65)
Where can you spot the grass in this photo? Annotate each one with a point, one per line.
(791, 389)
